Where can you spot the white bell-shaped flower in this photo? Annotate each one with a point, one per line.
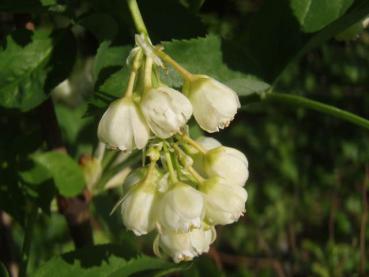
(208, 143)
(184, 246)
(224, 204)
(181, 208)
(139, 208)
(214, 104)
(123, 127)
(166, 110)
(228, 163)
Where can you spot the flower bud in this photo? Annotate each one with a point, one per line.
(139, 207)
(92, 170)
(184, 246)
(181, 208)
(123, 127)
(214, 104)
(224, 204)
(166, 110)
(228, 163)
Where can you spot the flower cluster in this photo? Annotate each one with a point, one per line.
(188, 186)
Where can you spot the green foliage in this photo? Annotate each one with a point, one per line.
(64, 170)
(204, 56)
(105, 260)
(31, 66)
(313, 15)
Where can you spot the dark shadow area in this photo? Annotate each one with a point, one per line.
(97, 255)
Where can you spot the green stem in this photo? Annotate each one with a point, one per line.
(137, 17)
(301, 101)
(196, 175)
(30, 221)
(168, 158)
(148, 74)
(132, 76)
(193, 143)
(180, 69)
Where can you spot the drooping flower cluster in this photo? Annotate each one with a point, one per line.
(188, 186)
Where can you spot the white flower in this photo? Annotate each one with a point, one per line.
(166, 110)
(184, 246)
(228, 163)
(139, 208)
(214, 104)
(123, 127)
(208, 143)
(181, 209)
(224, 204)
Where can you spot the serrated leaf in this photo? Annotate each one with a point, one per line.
(205, 56)
(313, 15)
(31, 66)
(102, 260)
(64, 170)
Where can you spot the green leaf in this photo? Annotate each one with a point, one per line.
(313, 15)
(31, 66)
(358, 11)
(205, 56)
(36, 175)
(109, 59)
(65, 171)
(103, 260)
(111, 74)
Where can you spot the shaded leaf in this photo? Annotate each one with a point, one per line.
(65, 171)
(103, 260)
(205, 56)
(313, 15)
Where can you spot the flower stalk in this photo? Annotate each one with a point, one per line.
(137, 17)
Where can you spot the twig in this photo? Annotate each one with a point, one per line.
(214, 254)
(7, 255)
(75, 209)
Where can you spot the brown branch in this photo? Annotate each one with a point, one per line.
(258, 262)
(7, 255)
(75, 209)
(214, 254)
(364, 219)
